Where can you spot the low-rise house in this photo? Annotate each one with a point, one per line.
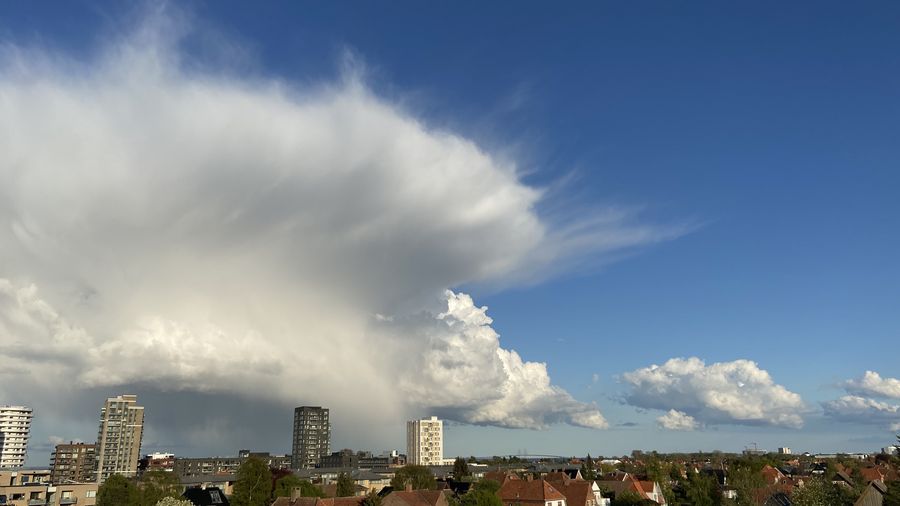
(318, 501)
(211, 496)
(578, 492)
(624, 482)
(653, 491)
(873, 495)
(843, 479)
(870, 474)
(223, 482)
(531, 493)
(331, 490)
(415, 498)
(500, 477)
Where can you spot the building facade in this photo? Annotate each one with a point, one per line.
(119, 438)
(15, 425)
(73, 463)
(425, 442)
(32, 488)
(312, 436)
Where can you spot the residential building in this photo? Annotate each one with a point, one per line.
(784, 450)
(578, 492)
(73, 463)
(210, 496)
(531, 493)
(204, 466)
(119, 437)
(425, 442)
(29, 488)
(347, 458)
(223, 482)
(157, 462)
(312, 436)
(415, 498)
(15, 424)
(317, 501)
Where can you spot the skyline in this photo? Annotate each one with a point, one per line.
(676, 219)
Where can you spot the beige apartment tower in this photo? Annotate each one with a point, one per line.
(425, 442)
(15, 425)
(119, 439)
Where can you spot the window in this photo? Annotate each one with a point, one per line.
(91, 493)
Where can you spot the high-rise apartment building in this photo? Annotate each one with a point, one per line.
(73, 463)
(425, 442)
(15, 424)
(119, 439)
(312, 436)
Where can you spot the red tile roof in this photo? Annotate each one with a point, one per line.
(316, 501)
(415, 498)
(577, 492)
(529, 491)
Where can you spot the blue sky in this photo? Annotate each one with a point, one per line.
(772, 128)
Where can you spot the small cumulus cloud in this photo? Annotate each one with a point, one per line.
(677, 420)
(861, 405)
(873, 385)
(856, 409)
(737, 392)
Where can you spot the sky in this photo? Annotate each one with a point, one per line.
(591, 227)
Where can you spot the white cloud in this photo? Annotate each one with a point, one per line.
(677, 420)
(462, 370)
(872, 384)
(856, 409)
(726, 392)
(198, 231)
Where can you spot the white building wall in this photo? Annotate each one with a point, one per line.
(425, 441)
(15, 426)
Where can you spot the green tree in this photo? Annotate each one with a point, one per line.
(156, 486)
(419, 477)
(253, 486)
(284, 487)
(628, 498)
(701, 490)
(587, 469)
(460, 469)
(817, 492)
(117, 491)
(745, 482)
(345, 486)
(483, 493)
(892, 497)
(372, 499)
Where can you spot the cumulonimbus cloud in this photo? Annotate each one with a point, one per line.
(736, 392)
(200, 231)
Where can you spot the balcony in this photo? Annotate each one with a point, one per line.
(37, 502)
(67, 500)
